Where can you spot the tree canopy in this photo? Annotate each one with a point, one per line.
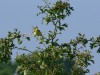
(69, 58)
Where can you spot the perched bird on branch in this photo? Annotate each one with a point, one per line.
(36, 31)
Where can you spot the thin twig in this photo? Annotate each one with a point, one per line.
(22, 49)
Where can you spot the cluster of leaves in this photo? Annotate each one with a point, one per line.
(59, 11)
(7, 45)
(42, 62)
(95, 43)
(63, 59)
(49, 62)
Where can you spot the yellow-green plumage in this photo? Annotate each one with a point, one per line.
(37, 32)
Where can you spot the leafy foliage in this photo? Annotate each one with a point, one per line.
(71, 58)
(8, 68)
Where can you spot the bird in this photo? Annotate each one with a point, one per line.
(36, 31)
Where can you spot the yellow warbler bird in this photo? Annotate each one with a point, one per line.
(36, 31)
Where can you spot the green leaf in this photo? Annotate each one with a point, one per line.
(19, 41)
(41, 40)
(47, 19)
(28, 38)
(65, 25)
(46, 72)
(47, 41)
(55, 44)
(98, 50)
(61, 28)
(72, 8)
(92, 61)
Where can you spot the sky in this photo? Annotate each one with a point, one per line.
(21, 14)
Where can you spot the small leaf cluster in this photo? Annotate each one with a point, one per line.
(7, 44)
(44, 61)
(54, 14)
(95, 43)
(58, 11)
